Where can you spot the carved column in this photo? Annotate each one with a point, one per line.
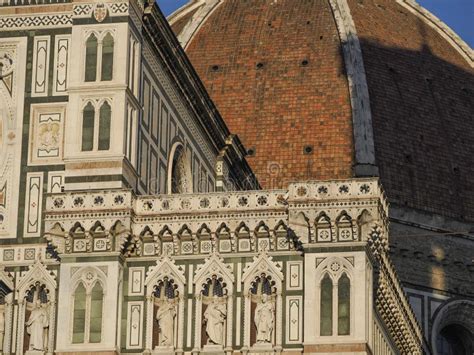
(198, 323)
(229, 321)
(52, 316)
(247, 321)
(7, 336)
(21, 326)
(180, 333)
(149, 324)
(279, 321)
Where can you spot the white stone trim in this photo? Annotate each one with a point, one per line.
(135, 324)
(365, 164)
(439, 26)
(198, 19)
(136, 275)
(294, 275)
(294, 320)
(41, 58)
(33, 204)
(62, 59)
(12, 109)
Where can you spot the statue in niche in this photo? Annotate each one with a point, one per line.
(37, 327)
(165, 316)
(263, 295)
(166, 300)
(265, 319)
(215, 316)
(214, 296)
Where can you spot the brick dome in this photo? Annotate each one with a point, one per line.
(330, 89)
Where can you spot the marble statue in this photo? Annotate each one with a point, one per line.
(264, 319)
(215, 315)
(165, 316)
(36, 326)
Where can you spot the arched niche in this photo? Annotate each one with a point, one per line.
(36, 300)
(263, 282)
(163, 279)
(214, 289)
(180, 178)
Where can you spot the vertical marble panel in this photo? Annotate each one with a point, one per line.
(294, 275)
(136, 278)
(294, 317)
(33, 204)
(61, 64)
(40, 66)
(135, 325)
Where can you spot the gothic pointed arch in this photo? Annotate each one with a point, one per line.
(165, 267)
(214, 265)
(262, 264)
(38, 272)
(165, 273)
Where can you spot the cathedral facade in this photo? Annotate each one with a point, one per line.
(132, 222)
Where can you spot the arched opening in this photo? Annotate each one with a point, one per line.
(104, 126)
(326, 306)
(79, 320)
(454, 339)
(344, 305)
(91, 58)
(95, 329)
(179, 173)
(107, 58)
(88, 116)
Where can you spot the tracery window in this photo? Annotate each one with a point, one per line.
(326, 306)
(96, 125)
(343, 310)
(87, 314)
(104, 126)
(335, 305)
(99, 60)
(91, 58)
(88, 128)
(107, 57)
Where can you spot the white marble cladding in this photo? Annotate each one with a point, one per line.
(298, 193)
(236, 222)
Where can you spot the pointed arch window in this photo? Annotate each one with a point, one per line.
(79, 321)
(99, 57)
(326, 306)
(88, 118)
(104, 126)
(87, 318)
(91, 58)
(96, 127)
(95, 329)
(335, 297)
(107, 57)
(344, 302)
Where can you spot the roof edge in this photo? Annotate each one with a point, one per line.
(442, 28)
(183, 10)
(197, 20)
